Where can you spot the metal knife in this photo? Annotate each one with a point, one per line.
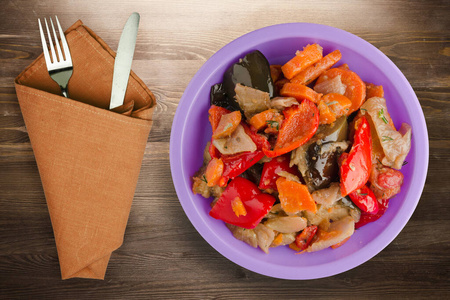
(122, 63)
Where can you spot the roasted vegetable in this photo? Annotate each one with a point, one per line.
(395, 144)
(355, 88)
(317, 160)
(365, 199)
(322, 163)
(251, 101)
(304, 239)
(300, 124)
(356, 166)
(309, 74)
(336, 233)
(252, 71)
(255, 204)
(329, 123)
(218, 97)
(367, 218)
(271, 169)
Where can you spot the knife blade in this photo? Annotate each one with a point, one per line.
(122, 62)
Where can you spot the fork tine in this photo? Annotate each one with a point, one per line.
(52, 49)
(64, 42)
(44, 43)
(58, 48)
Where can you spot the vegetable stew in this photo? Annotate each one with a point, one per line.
(301, 154)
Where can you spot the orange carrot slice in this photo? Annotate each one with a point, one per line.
(214, 171)
(373, 90)
(344, 67)
(278, 239)
(294, 196)
(337, 103)
(300, 92)
(311, 73)
(238, 207)
(215, 113)
(228, 123)
(268, 118)
(356, 88)
(294, 247)
(302, 59)
(326, 116)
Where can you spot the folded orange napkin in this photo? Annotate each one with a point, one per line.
(88, 157)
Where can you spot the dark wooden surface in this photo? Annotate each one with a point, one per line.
(163, 256)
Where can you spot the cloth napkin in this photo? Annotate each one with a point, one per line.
(88, 157)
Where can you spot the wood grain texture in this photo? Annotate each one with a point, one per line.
(163, 256)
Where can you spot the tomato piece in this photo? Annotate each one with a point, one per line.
(256, 204)
(385, 181)
(304, 238)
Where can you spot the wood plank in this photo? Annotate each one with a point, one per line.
(163, 256)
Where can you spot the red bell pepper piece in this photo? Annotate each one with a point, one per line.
(368, 218)
(256, 204)
(260, 141)
(304, 238)
(269, 173)
(213, 151)
(355, 167)
(235, 165)
(365, 199)
(300, 124)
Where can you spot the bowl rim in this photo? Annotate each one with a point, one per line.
(183, 188)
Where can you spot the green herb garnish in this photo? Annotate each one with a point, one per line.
(273, 124)
(386, 138)
(204, 179)
(331, 103)
(382, 117)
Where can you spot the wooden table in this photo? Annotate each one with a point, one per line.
(163, 256)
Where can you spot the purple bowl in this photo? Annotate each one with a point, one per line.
(191, 131)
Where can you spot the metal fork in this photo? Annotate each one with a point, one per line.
(59, 65)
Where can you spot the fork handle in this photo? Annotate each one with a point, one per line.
(62, 77)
